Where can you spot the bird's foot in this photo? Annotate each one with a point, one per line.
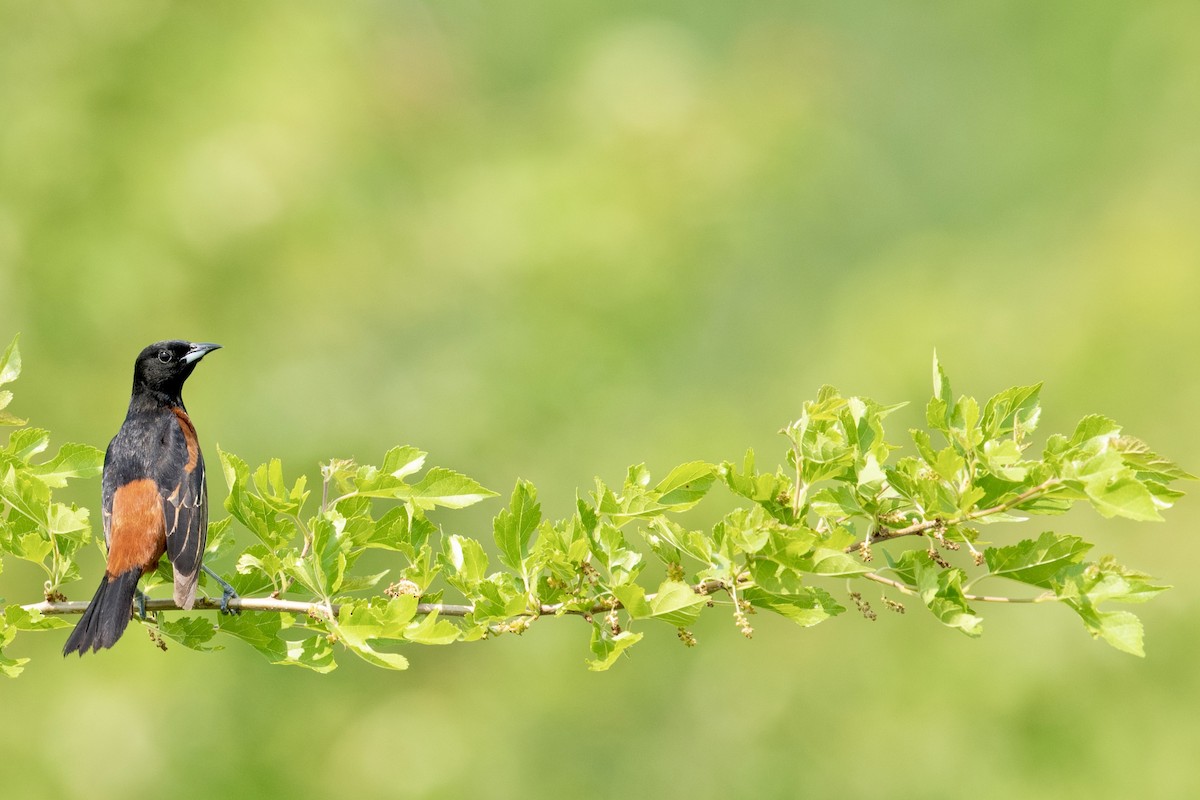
(227, 592)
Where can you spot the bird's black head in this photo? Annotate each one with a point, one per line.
(162, 367)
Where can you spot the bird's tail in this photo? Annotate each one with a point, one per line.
(107, 615)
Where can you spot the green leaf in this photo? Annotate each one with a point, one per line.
(312, 652)
(1138, 456)
(941, 590)
(676, 603)
(360, 622)
(513, 527)
(1002, 457)
(432, 630)
(446, 488)
(965, 423)
(1121, 629)
(1124, 496)
(747, 530)
(466, 558)
(24, 444)
(10, 362)
(606, 647)
(20, 619)
(686, 485)
(260, 630)
(72, 461)
(11, 667)
(1036, 562)
(400, 462)
(806, 607)
(691, 543)
(1014, 410)
(1092, 427)
(939, 410)
(1103, 581)
(252, 511)
(829, 562)
(633, 600)
(192, 632)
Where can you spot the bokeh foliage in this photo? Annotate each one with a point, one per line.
(546, 241)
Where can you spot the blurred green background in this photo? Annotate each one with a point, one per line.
(551, 240)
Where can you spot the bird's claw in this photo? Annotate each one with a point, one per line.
(227, 592)
(226, 595)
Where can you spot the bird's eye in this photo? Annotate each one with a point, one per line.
(164, 356)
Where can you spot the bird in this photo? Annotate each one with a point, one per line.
(154, 497)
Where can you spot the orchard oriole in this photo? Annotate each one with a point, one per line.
(154, 496)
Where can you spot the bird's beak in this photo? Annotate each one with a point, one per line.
(199, 350)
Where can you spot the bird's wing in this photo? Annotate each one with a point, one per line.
(108, 487)
(185, 506)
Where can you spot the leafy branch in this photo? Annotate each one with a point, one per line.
(368, 570)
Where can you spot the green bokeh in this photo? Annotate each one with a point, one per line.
(550, 240)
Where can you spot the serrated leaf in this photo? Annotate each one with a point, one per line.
(23, 445)
(251, 510)
(513, 527)
(938, 410)
(260, 630)
(1121, 629)
(676, 603)
(195, 633)
(400, 462)
(12, 667)
(1124, 496)
(1103, 581)
(806, 607)
(311, 652)
(432, 630)
(10, 362)
(71, 461)
(633, 600)
(680, 538)
(1002, 457)
(361, 583)
(361, 621)
(220, 541)
(830, 562)
(941, 592)
(747, 530)
(1138, 456)
(22, 620)
(1013, 409)
(1094, 426)
(686, 485)
(606, 647)
(446, 488)
(467, 558)
(10, 421)
(1036, 561)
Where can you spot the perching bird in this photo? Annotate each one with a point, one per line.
(154, 496)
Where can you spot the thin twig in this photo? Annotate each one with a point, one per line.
(904, 588)
(883, 534)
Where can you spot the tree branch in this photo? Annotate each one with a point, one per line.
(277, 605)
(885, 534)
